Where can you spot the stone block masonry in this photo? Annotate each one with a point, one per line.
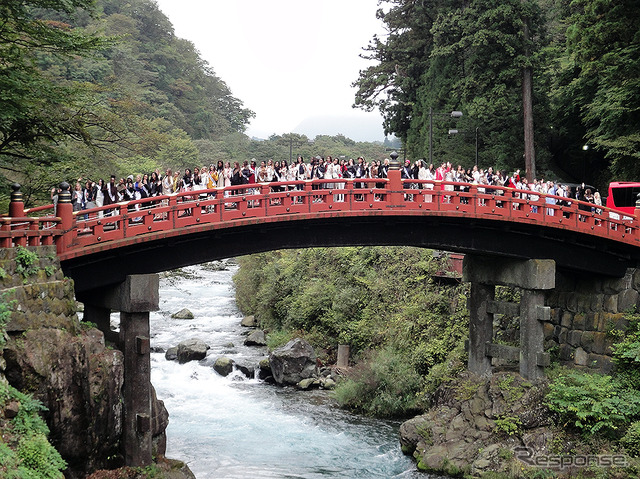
(584, 311)
(44, 298)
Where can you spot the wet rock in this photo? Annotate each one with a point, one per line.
(183, 314)
(223, 366)
(460, 432)
(11, 409)
(293, 362)
(328, 383)
(248, 370)
(85, 385)
(192, 350)
(306, 384)
(171, 354)
(249, 322)
(264, 369)
(412, 432)
(256, 338)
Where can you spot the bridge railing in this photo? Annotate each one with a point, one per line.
(29, 231)
(523, 206)
(73, 231)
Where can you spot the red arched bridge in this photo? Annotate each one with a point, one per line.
(101, 246)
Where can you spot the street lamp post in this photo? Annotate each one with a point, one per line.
(455, 132)
(453, 114)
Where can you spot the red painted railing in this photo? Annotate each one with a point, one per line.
(106, 227)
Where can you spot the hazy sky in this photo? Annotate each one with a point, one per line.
(287, 60)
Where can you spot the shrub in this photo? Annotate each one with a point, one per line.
(592, 402)
(631, 440)
(26, 262)
(25, 452)
(508, 425)
(384, 385)
(39, 456)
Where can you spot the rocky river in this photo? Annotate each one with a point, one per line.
(236, 427)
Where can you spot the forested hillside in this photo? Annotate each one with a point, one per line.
(103, 87)
(584, 56)
(93, 87)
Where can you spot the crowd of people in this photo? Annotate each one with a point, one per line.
(88, 193)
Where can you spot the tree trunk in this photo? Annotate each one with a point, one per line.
(527, 106)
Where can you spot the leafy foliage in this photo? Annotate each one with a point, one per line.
(508, 425)
(600, 77)
(384, 385)
(443, 56)
(372, 298)
(26, 262)
(93, 86)
(592, 403)
(25, 452)
(631, 440)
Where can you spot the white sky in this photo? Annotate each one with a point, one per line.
(287, 60)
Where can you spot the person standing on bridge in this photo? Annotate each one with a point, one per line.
(167, 183)
(217, 172)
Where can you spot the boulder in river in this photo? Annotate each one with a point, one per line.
(256, 338)
(223, 366)
(183, 314)
(171, 354)
(293, 362)
(249, 322)
(248, 370)
(307, 384)
(264, 369)
(192, 350)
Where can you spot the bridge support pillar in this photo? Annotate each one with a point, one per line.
(533, 277)
(532, 334)
(480, 328)
(134, 298)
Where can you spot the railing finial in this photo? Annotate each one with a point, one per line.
(394, 164)
(65, 195)
(16, 206)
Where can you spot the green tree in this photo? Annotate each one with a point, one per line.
(443, 56)
(598, 81)
(36, 109)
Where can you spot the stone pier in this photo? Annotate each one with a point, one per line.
(533, 277)
(134, 298)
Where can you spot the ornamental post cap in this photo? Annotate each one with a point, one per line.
(394, 164)
(16, 194)
(65, 195)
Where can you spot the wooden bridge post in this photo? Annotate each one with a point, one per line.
(395, 196)
(65, 213)
(16, 206)
(134, 298)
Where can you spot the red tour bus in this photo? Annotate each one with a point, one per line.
(622, 196)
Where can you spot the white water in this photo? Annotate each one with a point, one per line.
(239, 428)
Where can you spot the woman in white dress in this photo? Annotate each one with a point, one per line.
(99, 196)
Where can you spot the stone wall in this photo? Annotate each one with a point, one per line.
(583, 311)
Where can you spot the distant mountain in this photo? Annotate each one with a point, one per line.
(358, 127)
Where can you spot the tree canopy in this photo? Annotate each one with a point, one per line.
(92, 86)
(470, 56)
